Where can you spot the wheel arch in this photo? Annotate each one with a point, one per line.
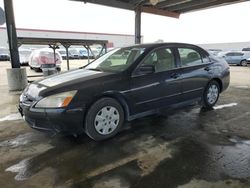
(119, 98)
(219, 81)
(243, 60)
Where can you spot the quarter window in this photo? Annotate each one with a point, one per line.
(162, 59)
(189, 57)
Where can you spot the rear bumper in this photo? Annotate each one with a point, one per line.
(225, 80)
(53, 120)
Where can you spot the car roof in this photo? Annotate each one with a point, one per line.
(155, 45)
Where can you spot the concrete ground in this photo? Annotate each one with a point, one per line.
(190, 148)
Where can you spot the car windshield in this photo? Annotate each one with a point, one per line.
(24, 52)
(62, 52)
(73, 51)
(116, 60)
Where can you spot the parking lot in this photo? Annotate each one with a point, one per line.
(188, 148)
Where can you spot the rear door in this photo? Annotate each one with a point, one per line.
(195, 70)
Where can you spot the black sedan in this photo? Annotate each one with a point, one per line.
(122, 85)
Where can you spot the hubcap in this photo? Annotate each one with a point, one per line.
(212, 94)
(244, 63)
(107, 120)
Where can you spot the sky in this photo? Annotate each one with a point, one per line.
(217, 25)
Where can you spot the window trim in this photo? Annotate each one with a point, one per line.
(202, 55)
(149, 53)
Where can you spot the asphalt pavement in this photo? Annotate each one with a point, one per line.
(188, 148)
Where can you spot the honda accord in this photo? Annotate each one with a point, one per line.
(122, 85)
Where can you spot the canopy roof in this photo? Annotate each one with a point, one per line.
(58, 41)
(171, 8)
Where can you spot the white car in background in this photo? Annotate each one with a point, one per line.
(24, 55)
(62, 52)
(44, 56)
(74, 53)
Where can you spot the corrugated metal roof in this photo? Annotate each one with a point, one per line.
(172, 8)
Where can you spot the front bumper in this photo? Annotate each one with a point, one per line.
(69, 121)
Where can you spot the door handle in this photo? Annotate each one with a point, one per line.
(175, 75)
(207, 68)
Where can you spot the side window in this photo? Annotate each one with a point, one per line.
(189, 57)
(238, 54)
(162, 59)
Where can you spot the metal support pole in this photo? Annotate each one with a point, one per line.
(138, 25)
(105, 47)
(106, 50)
(87, 47)
(12, 36)
(66, 46)
(54, 47)
(88, 56)
(67, 56)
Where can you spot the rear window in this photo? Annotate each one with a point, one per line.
(189, 57)
(246, 49)
(235, 54)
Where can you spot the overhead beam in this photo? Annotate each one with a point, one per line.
(110, 3)
(170, 3)
(138, 2)
(210, 5)
(160, 12)
(191, 4)
(54, 41)
(133, 5)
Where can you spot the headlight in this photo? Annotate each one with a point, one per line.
(56, 101)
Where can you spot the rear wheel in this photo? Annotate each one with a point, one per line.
(211, 94)
(243, 63)
(104, 119)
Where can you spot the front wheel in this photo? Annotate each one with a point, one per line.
(211, 94)
(104, 119)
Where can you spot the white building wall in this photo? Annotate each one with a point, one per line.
(226, 46)
(118, 40)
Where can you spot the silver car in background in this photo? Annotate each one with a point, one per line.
(239, 58)
(4, 54)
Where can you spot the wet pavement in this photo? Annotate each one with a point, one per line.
(188, 148)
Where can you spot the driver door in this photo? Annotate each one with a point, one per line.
(150, 91)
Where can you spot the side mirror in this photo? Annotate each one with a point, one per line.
(146, 69)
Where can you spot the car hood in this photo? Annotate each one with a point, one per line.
(74, 76)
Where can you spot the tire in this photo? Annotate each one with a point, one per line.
(37, 69)
(104, 119)
(58, 69)
(243, 63)
(211, 94)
